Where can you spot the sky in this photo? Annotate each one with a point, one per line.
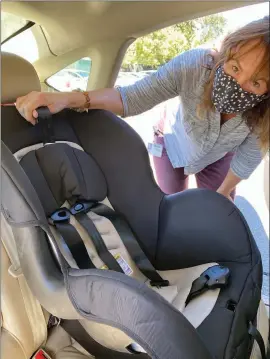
(239, 17)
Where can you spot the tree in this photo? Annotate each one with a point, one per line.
(208, 28)
(159, 47)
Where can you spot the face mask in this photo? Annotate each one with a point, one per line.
(229, 97)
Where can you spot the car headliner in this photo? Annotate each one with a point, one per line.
(74, 24)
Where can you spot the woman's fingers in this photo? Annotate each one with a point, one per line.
(35, 114)
(28, 113)
(19, 101)
(28, 104)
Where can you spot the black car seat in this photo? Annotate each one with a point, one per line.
(79, 198)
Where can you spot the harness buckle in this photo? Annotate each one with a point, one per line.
(62, 215)
(79, 207)
(212, 278)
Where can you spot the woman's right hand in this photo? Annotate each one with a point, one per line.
(55, 101)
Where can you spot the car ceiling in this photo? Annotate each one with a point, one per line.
(74, 24)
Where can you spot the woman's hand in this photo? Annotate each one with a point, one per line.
(229, 184)
(225, 194)
(55, 101)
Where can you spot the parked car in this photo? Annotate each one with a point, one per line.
(69, 80)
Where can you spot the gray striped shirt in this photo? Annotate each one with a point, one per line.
(192, 142)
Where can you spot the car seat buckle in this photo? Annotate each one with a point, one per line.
(217, 276)
(79, 207)
(159, 283)
(62, 215)
(214, 277)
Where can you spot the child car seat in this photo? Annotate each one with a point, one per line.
(126, 268)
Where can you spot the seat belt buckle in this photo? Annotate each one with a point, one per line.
(217, 276)
(41, 354)
(53, 322)
(62, 215)
(83, 206)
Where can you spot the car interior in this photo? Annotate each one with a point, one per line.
(78, 197)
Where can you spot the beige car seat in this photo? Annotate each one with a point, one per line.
(24, 321)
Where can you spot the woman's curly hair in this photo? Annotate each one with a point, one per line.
(256, 118)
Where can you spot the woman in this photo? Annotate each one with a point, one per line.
(221, 127)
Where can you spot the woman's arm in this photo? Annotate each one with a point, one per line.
(106, 99)
(123, 101)
(126, 101)
(171, 80)
(246, 159)
(229, 184)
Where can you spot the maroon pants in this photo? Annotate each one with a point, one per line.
(172, 180)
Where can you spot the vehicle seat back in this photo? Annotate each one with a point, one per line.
(24, 326)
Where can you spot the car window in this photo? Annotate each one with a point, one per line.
(72, 77)
(10, 24)
(23, 44)
(145, 56)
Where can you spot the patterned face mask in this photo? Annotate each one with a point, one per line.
(229, 97)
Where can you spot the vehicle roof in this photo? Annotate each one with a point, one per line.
(73, 24)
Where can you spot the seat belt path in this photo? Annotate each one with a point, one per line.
(78, 210)
(129, 240)
(60, 219)
(79, 334)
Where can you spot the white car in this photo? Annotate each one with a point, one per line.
(67, 80)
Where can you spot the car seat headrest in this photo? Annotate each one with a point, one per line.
(61, 173)
(18, 78)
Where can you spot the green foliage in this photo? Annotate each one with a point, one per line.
(159, 47)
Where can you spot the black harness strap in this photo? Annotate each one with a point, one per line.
(60, 219)
(131, 244)
(44, 121)
(77, 332)
(256, 335)
(198, 287)
(107, 258)
(129, 240)
(31, 167)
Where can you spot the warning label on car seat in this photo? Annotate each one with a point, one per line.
(123, 264)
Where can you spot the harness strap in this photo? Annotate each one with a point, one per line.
(130, 242)
(98, 242)
(256, 335)
(44, 120)
(77, 332)
(60, 219)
